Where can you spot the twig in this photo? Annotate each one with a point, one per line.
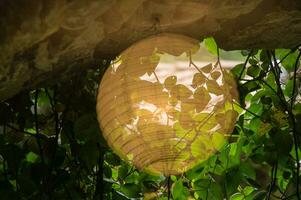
(42, 136)
(271, 184)
(245, 64)
(291, 51)
(294, 81)
(219, 61)
(195, 66)
(247, 110)
(192, 63)
(274, 177)
(130, 172)
(156, 77)
(99, 180)
(211, 179)
(263, 81)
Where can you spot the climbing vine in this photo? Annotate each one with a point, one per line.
(51, 146)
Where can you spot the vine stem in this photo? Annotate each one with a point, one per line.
(255, 115)
(168, 188)
(290, 114)
(245, 65)
(291, 51)
(156, 77)
(294, 81)
(42, 136)
(274, 177)
(195, 66)
(37, 126)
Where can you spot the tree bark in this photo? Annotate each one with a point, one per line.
(46, 40)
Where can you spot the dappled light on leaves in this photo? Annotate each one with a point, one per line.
(165, 120)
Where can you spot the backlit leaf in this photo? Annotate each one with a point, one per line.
(211, 45)
(179, 191)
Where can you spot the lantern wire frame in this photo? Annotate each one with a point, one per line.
(163, 119)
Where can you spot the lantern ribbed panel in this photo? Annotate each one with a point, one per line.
(165, 119)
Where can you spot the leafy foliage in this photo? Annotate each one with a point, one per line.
(51, 146)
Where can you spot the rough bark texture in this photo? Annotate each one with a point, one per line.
(46, 40)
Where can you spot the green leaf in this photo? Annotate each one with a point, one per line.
(179, 191)
(264, 56)
(255, 108)
(253, 61)
(286, 174)
(232, 179)
(211, 45)
(131, 190)
(258, 195)
(264, 128)
(112, 158)
(254, 125)
(233, 149)
(32, 157)
(123, 171)
(253, 71)
(237, 196)
(207, 189)
(249, 87)
(43, 99)
(289, 88)
(237, 69)
(248, 190)
(107, 171)
(173, 178)
(195, 172)
(230, 155)
(289, 61)
(118, 196)
(297, 110)
(270, 80)
(218, 140)
(247, 170)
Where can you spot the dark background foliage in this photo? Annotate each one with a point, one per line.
(51, 146)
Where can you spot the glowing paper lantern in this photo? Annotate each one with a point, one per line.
(165, 119)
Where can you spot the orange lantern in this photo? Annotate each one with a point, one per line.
(165, 118)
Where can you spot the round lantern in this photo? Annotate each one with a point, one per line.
(165, 118)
